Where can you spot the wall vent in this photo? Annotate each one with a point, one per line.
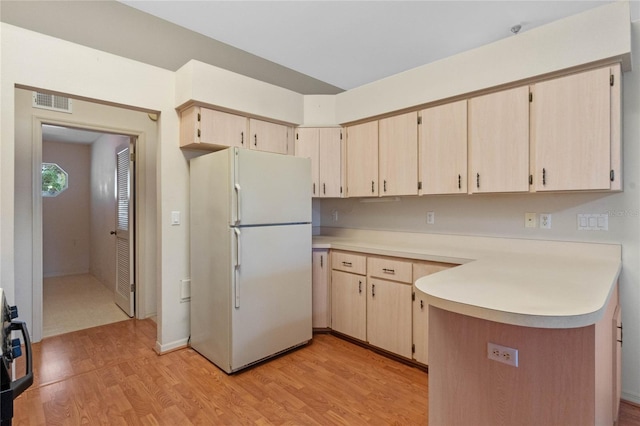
(52, 102)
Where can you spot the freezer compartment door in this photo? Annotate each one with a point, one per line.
(271, 304)
(270, 188)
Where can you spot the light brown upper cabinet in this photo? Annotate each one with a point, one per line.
(499, 141)
(575, 126)
(362, 160)
(324, 147)
(442, 159)
(204, 128)
(271, 137)
(398, 155)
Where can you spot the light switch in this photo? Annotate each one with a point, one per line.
(175, 218)
(593, 222)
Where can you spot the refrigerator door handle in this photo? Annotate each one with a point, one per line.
(236, 269)
(238, 251)
(238, 203)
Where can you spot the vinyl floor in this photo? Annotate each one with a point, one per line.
(76, 302)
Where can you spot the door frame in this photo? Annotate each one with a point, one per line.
(37, 244)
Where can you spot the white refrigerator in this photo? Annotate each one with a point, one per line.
(250, 227)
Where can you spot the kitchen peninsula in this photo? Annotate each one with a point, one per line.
(555, 302)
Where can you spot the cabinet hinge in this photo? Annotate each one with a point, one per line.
(297, 136)
(341, 189)
(530, 179)
(611, 80)
(413, 296)
(198, 132)
(419, 120)
(198, 116)
(413, 348)
(530, 97)
(340, 134)
(419, 185)
(132, 157)
(612, 175)
(133, 287)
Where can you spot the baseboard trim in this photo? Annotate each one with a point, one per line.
(170, 347)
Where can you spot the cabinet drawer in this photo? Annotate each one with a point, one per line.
(389, 269)
(349, 262)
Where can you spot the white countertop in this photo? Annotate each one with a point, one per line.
(533, 283)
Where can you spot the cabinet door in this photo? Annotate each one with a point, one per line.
(389, 316)
(499, 141)
(349, 304)
(398, 155)
(267, 136)
(221, 128)
(571, 132)
(321, 308)
(421, 311)
(443, 149)
(330, 162)
(307, 146)
(617, 362)
(203, 128)
(362, 160)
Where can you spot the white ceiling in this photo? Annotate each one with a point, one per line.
(51, 133)
(351, 43)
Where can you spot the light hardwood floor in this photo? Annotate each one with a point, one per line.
(111, 375)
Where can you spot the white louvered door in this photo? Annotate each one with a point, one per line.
(124, 292)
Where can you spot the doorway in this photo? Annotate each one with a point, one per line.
(85, 185)
(28, 247)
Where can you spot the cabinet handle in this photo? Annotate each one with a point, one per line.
(348, 264)
(241, 138)
(478, 180)
(255, 140)
(421, 304)
(324, 188)
(385, 185)
(459, 182)
(373, 290)
(372, 183)
(321, 261)
(544, 176)
(359, 287)
(621, 334)
(388, 271)
(314, 188)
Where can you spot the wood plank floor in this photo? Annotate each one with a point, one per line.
(110, 375)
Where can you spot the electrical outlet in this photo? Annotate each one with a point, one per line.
(529, 220)
(545, 220)
(431, 218)
(502, 354)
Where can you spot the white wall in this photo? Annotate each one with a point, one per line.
(103, 208)
(66, 217)
(76, 70)
(594, 35)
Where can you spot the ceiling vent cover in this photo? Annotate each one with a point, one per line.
(52, 102)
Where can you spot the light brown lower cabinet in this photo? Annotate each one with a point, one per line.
(349, 304)
(421, 310)
(320, 294)
(389, 316)
(373, 300)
